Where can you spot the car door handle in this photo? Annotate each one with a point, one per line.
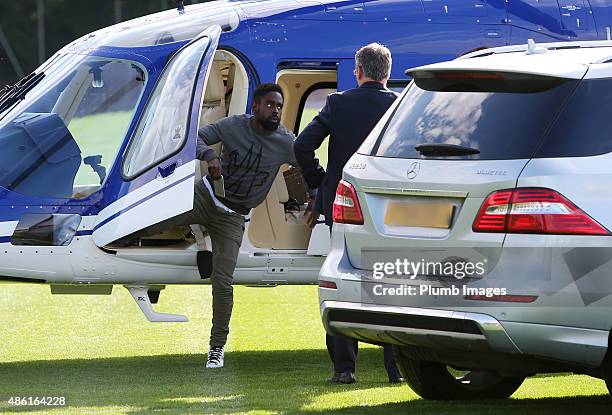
(167, 170)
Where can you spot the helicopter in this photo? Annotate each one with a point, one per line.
(98, 143)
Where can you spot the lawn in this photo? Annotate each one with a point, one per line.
(321, 152)
(98, 134)
(104, 357)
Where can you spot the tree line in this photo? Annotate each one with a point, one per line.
(25, 40)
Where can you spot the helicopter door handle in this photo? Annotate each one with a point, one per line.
(167, 170)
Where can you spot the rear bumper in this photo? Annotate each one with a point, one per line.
(417, 326)
(547, 335)
(467, 338)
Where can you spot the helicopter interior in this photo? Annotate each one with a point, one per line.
(278, 223)
(69, 135)
(60, 142)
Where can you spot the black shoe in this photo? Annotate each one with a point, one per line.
(345, 378)
(396, 379)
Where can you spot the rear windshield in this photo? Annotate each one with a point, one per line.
(496, 115)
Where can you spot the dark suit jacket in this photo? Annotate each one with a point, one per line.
(347, 117)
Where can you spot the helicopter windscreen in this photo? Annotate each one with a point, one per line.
(60, 140)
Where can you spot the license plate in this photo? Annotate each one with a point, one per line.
(426, 215)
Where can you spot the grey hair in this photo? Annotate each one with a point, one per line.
(375, 61)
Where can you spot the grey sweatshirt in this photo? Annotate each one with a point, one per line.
(249, 159)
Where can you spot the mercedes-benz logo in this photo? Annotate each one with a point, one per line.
(413, 170)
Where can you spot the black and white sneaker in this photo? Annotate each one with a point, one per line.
(215, 358)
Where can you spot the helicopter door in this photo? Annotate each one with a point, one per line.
(159, 165)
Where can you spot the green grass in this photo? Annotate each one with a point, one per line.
(321, 152)
(100, 134)
(104, 357)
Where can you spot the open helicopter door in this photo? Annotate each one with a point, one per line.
(159, 165)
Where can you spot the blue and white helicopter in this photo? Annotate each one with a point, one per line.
(99, 142)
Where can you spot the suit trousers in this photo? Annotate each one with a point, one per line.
(343, 353)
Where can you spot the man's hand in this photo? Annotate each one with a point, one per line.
(214, 168)
(311, 214)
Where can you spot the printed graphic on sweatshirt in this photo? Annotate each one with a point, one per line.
(239, 170)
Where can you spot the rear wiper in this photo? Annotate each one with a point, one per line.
(440, 150)
(11, 94)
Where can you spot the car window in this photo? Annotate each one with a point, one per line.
(584, 127)
(502, 116)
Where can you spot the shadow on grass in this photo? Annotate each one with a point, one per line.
(274, 381)
(568, 405)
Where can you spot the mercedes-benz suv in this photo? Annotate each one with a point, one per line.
(473, 227)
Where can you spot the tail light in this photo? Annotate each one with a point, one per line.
(469, 75)
(534, 210)
(346, 205)
(328, 284)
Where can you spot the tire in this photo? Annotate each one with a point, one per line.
(607, 374)
(436, 381)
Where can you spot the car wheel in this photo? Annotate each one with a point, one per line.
(607, 374)
(437, 381)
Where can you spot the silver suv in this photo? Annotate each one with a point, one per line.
(472, 228)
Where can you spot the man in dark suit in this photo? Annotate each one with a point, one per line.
(347, 117)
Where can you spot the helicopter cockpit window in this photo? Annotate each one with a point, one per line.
(162, 129)
(60, 141)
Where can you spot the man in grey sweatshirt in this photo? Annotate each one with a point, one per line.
(254, 148)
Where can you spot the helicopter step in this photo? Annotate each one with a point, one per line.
(141, 296)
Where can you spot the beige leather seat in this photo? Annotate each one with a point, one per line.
(269, 227)
(213, 107)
